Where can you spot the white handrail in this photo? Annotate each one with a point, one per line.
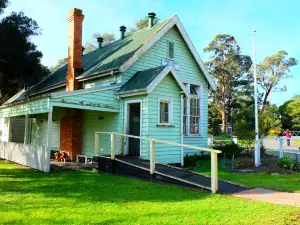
(214, 153)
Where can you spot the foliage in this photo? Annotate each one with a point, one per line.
(142, 23)
(72, 197)
(286, 163)
(286, 119)
(282, 182)
(93, 44)
(20, 61)
(293, 109)
(229, 149)
(271, 71)
(60, 63)
(268, 119)
(296, 127)
(3, 5)
(190, 161)
(275, 131)
(230, 69)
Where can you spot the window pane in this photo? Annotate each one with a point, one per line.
(171, 50)
(194, 115)
(164, 112)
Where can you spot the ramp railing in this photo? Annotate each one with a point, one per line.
(213, 153)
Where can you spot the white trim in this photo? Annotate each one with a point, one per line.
(78, 106)
(155, 37)
(130, 94)
(170, 111)
(84, 91)
(181, 130)
(161, 76)
(199, 90)
(126, 127)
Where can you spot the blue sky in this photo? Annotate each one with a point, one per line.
(277, 24)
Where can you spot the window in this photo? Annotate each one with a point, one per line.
(165, 112)
(171, 50)
(191, 111)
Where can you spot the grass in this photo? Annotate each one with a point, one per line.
(31, 197)
(297, 142)
(283, 182)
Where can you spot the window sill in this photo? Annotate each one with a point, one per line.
(165, 125)
(192, 136)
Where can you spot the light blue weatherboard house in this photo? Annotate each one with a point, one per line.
(151, 83)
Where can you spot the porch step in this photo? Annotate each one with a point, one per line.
(135, 167)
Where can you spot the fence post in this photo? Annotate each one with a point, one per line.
(280, 147)
(97, 144)
(214, 172)
(112, 145)
(152, 158)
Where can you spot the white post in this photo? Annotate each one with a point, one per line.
(113, 146)
(49, 136)
(26, 135)
(152, 157)
(280, 147)
(181, 130)
(257, 148)
(214, 172)
(97, 144)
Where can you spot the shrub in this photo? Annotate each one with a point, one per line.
(286, 163)
(296, 127)
(229, 149)
(274, 131)
(190, 161)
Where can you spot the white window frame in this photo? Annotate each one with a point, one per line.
(170, 111)
(199, 89)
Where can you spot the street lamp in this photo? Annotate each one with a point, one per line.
(257, 148)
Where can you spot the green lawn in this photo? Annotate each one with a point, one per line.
(297, 142)
(31, 197)
(290, 182)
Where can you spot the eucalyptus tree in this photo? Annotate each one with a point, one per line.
(230, 69)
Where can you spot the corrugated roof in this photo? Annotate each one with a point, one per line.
(141, 80)
(110, 57)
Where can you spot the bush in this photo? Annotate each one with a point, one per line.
(286, 163)
(274, 131)
(296, 127)
(229, 149)
(190, 161)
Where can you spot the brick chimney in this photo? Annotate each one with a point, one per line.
(71, 125)
(75, 19)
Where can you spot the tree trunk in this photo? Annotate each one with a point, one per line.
(223, 128)
(265, 101)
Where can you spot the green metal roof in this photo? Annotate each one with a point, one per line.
(108, 58)
(141, 80)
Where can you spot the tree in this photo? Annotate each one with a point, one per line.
(93, 44)
(3, 5)
(231, 71)
(142, 23)
(268, 119)
(271, 71)
(286, 119)
(20, 61)
(293, 110)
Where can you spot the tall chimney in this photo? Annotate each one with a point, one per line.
(100, 42)
(151, 16)
(123, 30)
(75, 19)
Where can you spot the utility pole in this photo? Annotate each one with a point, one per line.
(257, 145)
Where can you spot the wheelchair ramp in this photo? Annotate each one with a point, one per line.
(139, 168)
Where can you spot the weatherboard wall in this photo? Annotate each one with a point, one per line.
(167, 89)
(189, 73)
(23, 108)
